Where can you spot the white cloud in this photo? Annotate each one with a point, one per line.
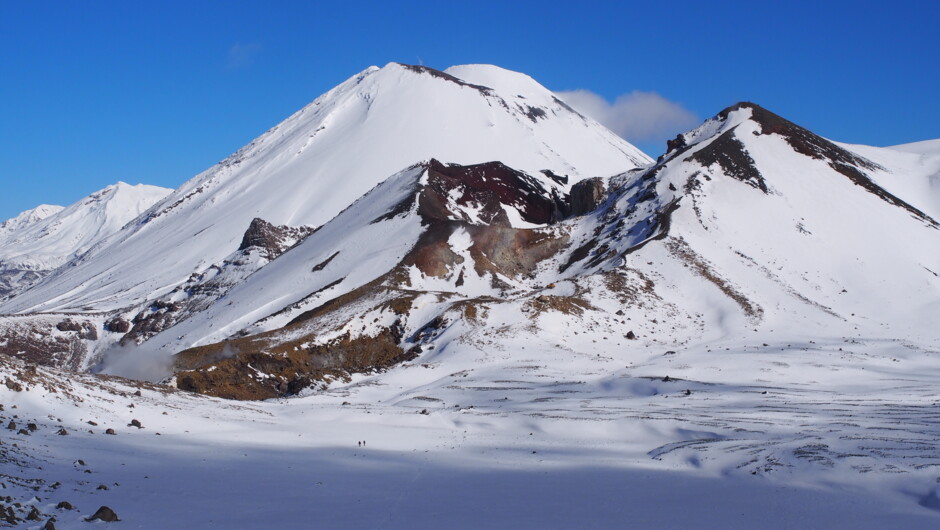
(636, 116)
(242, 55)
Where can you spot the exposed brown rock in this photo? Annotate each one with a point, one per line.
(489, 185)
(34, 339)
(287, 368)
(117, 325)
(730, 154)
(274, 240)
(104, 514)
(587, 195)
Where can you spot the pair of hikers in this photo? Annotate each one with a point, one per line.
(362, 443)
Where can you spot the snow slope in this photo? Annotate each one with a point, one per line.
(40, 240)
(311, 166)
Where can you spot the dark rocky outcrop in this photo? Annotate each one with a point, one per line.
(421, 69)
(731, 155)
(117, 325)
(489, 186)
(273, 240)
(287, 368)
(587, 195)
(676, 143)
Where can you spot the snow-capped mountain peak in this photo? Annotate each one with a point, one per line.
(42, 239)
(315, 163)
(29, 217)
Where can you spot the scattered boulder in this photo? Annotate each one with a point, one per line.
(631, 335)
(85, 330)
(104, 514)
(32, 427)
(9, 516)
(425, 412)
(50, 524)
(13, 385)
(62, 432)
(109, 431)
(11, 425)
(34, 514)
(117, 325)
(64, 505)
(103, 487)
(68, 325)
(135, 423)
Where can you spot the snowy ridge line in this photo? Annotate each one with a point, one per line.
(308, 169)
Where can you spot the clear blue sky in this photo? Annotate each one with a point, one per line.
(155, 92)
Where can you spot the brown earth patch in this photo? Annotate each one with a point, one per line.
(683, 252)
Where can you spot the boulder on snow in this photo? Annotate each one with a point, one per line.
(117, 325)
(104, 514)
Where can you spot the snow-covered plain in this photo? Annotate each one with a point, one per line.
(520, 433)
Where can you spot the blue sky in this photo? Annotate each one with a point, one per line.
(96, 92)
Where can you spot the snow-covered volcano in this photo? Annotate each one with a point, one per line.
(314, 164)
(749, 222)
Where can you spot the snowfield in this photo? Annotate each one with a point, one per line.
(827, 435)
